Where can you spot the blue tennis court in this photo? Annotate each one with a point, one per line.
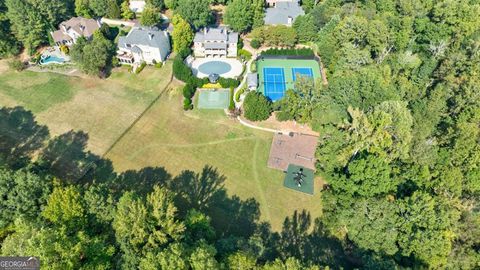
(274, 83)
(304, 72)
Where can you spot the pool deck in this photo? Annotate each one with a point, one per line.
(236, 71)
(287, 65)
(55, 52)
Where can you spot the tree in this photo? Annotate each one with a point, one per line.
(239, 15)
(24, 195)
(196, 12)
(65, 206)
(278, 35)
(144, 225)
(99, 7)
(426, 231)
(127, 13)
(258, 8)
(305, 28)
(159, 4)
(82, 8)
(301, 102)
(59, 248)
(150, 16)
(113, 10)
(257, 107)
(241, 260)
(203, 257)
(28, 23)
(95, 56)
(182, 35)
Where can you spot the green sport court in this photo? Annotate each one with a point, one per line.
(307, 177)
(213, 99)
(279, 75)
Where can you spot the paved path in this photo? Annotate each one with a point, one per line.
(257, 127)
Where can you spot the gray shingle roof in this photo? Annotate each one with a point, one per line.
(252, 79)
(282, 11)
(146, 36)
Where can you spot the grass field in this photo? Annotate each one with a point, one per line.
(165, 136)
(102, 108)
(179, 140)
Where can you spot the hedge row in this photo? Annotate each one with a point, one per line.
(294, 52)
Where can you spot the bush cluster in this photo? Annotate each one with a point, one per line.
(228, 83)
(294, 52)
(257, 107)
(140, 68)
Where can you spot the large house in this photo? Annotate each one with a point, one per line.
(143, 44)
(215, 42)
(282, 12)
(69, 31)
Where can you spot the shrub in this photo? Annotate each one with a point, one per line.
(293, 52)
(231, 106)
(16, 65)
(141, 67)
(188, 91)
(159, 65)
(239, 93)
(255, 43)
(257, 107)
(180, 70)
(187, 104)
(253, 67)
(283, 116)
(244, 55)
(65, 49)
(228, 83)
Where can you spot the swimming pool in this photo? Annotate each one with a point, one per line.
(52, 60)
(215, 67)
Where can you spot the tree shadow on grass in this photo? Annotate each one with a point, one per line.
(205, 191)
(20, 136)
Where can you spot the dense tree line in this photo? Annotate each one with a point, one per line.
(398, 126)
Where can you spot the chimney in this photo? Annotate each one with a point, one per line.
(290, 20)
(150, 36)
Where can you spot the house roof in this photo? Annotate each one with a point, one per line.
(252, 79)
(216, 34)
(282, 11)
(295, 148)
(59, 36)
(81, 26)
(145, 36)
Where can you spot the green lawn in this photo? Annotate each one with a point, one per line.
(166, 135)
(102, 108)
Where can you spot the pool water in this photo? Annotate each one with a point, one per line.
(215, 67)
(52, 60)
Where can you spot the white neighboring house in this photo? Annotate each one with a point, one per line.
(215, 42)
(69, 31)
(143, 44)
(137, 6)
